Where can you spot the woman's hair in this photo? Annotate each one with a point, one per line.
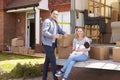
(76, 35)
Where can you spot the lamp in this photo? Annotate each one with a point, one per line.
(19, 20)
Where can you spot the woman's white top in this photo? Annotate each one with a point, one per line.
(80, 44)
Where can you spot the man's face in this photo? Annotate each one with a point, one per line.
(54, 14)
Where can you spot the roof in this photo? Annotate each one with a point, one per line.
(15, 4)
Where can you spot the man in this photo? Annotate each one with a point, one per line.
(50, 32)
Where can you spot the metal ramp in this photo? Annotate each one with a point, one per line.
(95, 64)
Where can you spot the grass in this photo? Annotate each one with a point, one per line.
(8, 61)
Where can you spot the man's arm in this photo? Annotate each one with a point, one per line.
(45, 29)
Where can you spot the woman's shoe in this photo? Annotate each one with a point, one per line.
(59, 74)
(64, 79)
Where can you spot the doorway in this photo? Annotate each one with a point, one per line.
(30, 30)
(30, 37)
(32, 34)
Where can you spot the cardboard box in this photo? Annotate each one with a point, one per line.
(99, 52)
(31, 51)
(66, 41)
(26, 50)
(116, 54)
(64, 52)
(17, 42)
(21, 50)
(118, 44)
(15, 49)
(107, 38)
(13, 42)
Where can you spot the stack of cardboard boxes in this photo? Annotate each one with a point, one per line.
(65, 46)
(16, 43)
(116, 52)
(17, 46)
(99, 52)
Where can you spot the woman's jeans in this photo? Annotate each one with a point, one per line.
(71, 61)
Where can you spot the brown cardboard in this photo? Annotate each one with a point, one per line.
(107, 38)
(31, 51)
(17, 42)
(66, 41)
(26, 50)
(114, 16)
(21, 50)
(116, 54)
(99, 52)
(13, 42)
(20, 43)
(15, 49)
(118, 44)
(64, 52)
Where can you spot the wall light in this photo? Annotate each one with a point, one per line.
(19, 20)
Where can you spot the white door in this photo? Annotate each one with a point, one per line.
(28, 33)
(64, 21)
(29, 16)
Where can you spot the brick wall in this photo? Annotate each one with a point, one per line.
(6, 22)
(1, 30)
(9, 28)
(1, 24)
(4, 3)
(20, 26)
(1, 4)
(61, 5)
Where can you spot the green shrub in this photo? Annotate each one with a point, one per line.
(24, 71)
(4, 75)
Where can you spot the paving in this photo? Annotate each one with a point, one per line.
(93, 63)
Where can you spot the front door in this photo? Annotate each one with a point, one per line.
(30, 30)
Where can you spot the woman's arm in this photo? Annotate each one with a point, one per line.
(74, 43)
(83, 50)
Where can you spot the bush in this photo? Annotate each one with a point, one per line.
(25, 71)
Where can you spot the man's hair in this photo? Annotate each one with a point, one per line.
(53, 10)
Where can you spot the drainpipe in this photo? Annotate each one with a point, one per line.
(72, 16)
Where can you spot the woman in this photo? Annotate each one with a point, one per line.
(79, 53)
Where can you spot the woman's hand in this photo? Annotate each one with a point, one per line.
(81, 50)
(77, 50)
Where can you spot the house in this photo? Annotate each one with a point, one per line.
(23, 18)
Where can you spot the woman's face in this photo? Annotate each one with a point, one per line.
(80, 32)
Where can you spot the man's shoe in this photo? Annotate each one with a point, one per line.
(59, 74)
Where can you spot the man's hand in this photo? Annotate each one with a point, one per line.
(65, 35)
(56, 36)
